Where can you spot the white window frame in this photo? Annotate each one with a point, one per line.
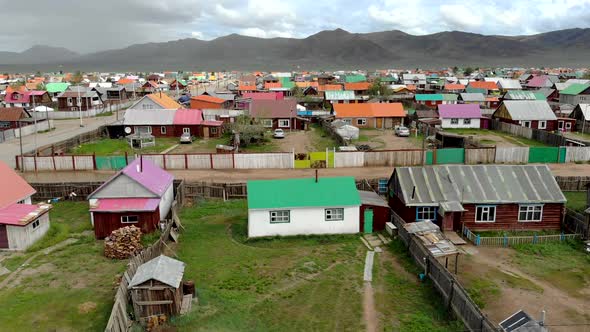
(530, 210)
(568, 125)
(454, 121)
(267, 123)
(334, 214)
(542, 124)
(126, 219)
(186, 130)
(280, 216)
(361, 122)
(70, 101)
(466, 121)
(422, 211)
(283, 125)
(487, 211)
(163, 130)
(526, 124)
(147, 106)
(35, 224)
(348, 121)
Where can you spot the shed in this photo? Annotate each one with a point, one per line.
(372, 203)
(156, 288)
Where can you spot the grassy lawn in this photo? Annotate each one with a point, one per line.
(583, 136)
(108, 146)
(576, 200)
(304, 283)
(370, 136)
(70, 289)
(563, 264)
(516, 140)
(321, 139)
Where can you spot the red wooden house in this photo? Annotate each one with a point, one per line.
(277, 113)
(536, 114)
(171, 123)
(11, 116)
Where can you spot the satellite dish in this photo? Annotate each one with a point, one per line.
(127, 130)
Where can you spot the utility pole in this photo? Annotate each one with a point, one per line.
(177, 93)
(80, 106)
(20, 138)
(35, 121)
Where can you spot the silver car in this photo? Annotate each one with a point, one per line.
(278, 133)
(402, 131)
(186, 138)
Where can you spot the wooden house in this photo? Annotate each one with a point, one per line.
(485, 87)
(459, 116)
(374, 212)
(78, 97)
(581, 114)
(156, 288)
(574, 94)
(435, 99)
(359, 88)
(371, 115)
(207, 101)
(27, 98)
(535, 114)
(11, 116)
(158, 100)
(480, 197)
(275, 114)
(21, 222)
(341, 97)
(171, 123)
(141, 194)
(303, 206)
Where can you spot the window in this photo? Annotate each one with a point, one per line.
(163, 130)
(526, 124)
(147, 106)
(348, 121)
(568, 125)
(542, 124)
(383, 186)
(361, 122)
(284, 123)
(213, 130)
(186, 130)
(4, 124)
(267, 123)
(36, 224)
(532, 212)
(466, 121)
(334, 214)
(70, 101)
(454, 121)
(280, 217)
(426, 213)
(485, 213)
(129, 219)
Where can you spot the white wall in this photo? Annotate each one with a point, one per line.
(446, 123)
(304, 221)
(20, 238)
(166, 202)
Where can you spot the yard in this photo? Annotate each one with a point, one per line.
(578, 135)
(294, 284)
(379, 139)
(576, 200)
(497, 138)
(553, 276)
(107, 147)
(69, 289)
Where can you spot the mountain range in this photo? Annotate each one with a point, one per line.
(327, 50)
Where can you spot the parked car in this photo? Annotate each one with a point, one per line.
(186, 138)
(402, 131)
(278, 133)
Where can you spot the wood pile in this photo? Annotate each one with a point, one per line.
(123, 243)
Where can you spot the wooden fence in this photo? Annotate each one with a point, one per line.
(573, 183)
(327, 126)
(454, 296)
(81, 190)
(509, 241)
(65, 145)
(578, 223)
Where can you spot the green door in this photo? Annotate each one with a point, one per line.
(368, 221)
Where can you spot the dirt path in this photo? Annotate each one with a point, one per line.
(298, 140)
(560, 307)
(369, 312)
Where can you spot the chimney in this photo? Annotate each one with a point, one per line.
(413, 192)
(542, 321)
(140, 163)
(316, 176)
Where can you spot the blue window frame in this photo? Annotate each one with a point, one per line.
(382, 186)
(426, 213)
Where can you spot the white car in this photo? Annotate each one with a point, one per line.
(402, 131)
(278, 133)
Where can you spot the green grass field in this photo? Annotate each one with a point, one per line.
(576, 200)
(108, 146)
(321, 139)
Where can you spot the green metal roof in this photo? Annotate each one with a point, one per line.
(355, 78)
(286, 82)
(305, 192)
(575, 89)
(475, 90)
(56, 87)
(427, 97)
(540, 96)
(449, 97)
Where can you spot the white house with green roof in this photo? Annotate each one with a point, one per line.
(306, 206)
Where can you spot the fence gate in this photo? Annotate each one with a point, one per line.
(110, 162)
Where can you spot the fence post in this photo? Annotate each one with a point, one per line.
(164, 160)
(535, 238)
(35, 161)
(185, 161)
(73, 163)
(451, 294)
(562, 237)
(126, 158)
(94, 160)
(477, 240)
(505, 240)
(211, 159)
(17, 163)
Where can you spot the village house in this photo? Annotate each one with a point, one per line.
(371, 115)
(541, 81)
(274, 114)
(359, 88)
(480, 197)
(27, 98)
(522, 95)
(575, 94)
(10, 117)
(417, 80)
(459, 116)
(581, 114)
(141, 195)
(535, 114)
(208, 101)
(113, 93)
(434, 99)
(54, 89)
(485, 87)
(21, 222)
(79, 98)
(341, 97)
(156, 101)
(171, 123)
(453, 88)
(304, 206)
(505, 85)
(472, 98)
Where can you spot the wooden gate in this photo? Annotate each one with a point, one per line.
(3, 237)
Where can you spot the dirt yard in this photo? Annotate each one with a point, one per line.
(503, 285)
(386, 140)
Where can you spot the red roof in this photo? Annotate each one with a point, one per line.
(19, 188)
(188, 117)
(209, 99)
(125, 204)
(358, 86)
(267, 109)
(483, 85)
(22, 214)
(125, 80)
(369, 110)
(12, 114)
(330, 87)
(24, 97)
(247, 88)
(454, 86)
(263, 95)
(269, 85)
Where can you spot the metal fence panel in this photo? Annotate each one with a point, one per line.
(450, 156)
(543, 154)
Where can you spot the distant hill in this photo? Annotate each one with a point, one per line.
(333, 49)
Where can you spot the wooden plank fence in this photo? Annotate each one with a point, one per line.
(509, 241)
(47, 191)
(578, 223)
(573, 183)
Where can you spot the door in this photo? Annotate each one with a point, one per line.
(379, 123)
(3, 237)
(368, 221)
(206, 132)
(560, 125)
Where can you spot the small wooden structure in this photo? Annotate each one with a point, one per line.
(141, 140)
(156, 288)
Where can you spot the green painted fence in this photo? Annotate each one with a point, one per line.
(111, 162)
(450, 156)
(428, 160)
(544, 154)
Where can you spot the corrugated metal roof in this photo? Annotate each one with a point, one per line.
(519, 95)
(479, 184)
(461, 111)
(505, 83)
(473, 96)
(340, 95)
(126, 204)
(575, 89)
(529, 110)
(188, 117)
(22, 214)
(163, 269)
(134, 117)
(372, 198)
(19, 188)
(585, 108)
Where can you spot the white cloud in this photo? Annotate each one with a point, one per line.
(197, 34)
(260, 33)
(461, 17)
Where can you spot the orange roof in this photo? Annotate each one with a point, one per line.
(369, 110)
(358, 86)
(454, 86)
(164, 100)
(19, 188)
(20, 88)
(125, 80)
(269, 85)
(483, 85)
(330, 87)
(306, 84)
(247, 88)
(411, 87)
(209, 99)
(32, 85)
(492, 99)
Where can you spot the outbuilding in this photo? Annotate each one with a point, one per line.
(327, 205)
(141, 194)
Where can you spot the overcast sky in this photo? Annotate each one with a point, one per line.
(86, 26)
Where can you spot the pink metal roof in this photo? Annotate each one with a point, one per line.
(14, 187)
(212, 123)
(188, 117)
(460, 111)
(25, 96)
(126, 204)
(263, 95)
(22, 214)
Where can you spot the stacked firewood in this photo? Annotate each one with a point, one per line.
(123, 243)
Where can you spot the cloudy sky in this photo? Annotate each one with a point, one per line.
(86, 26)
